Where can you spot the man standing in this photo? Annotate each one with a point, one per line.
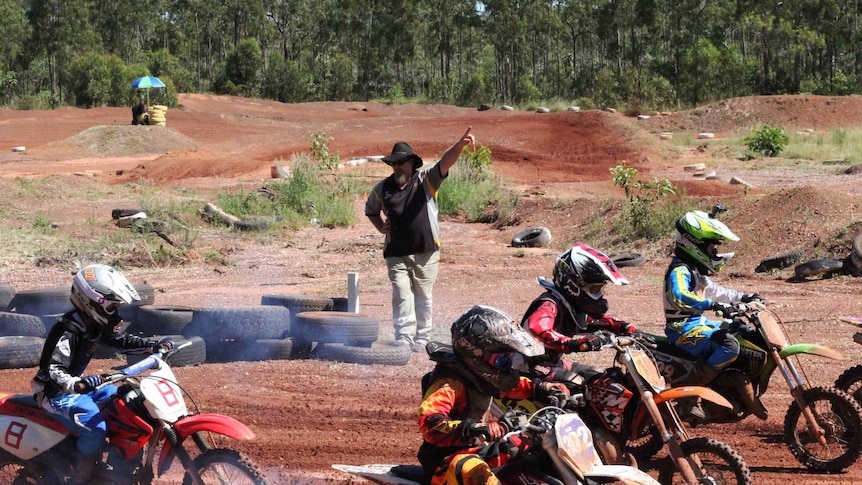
(408, 200)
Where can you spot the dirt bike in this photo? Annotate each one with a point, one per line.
(566, 455)
(148, 424)
(823, 425)
(631, 401)
(850, 381)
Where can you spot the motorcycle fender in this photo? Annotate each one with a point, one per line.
(704, 393)
(625, 474)
(812, 349)
(213, 423)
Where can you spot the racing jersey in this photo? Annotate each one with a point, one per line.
(68, 350)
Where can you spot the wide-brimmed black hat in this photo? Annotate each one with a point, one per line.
(400, 152)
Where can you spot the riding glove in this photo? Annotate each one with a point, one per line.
(723, 308)
(88, 383)
(750, 297)
(491, 431)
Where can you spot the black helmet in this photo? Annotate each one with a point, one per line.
(581, 274)
(492, 347)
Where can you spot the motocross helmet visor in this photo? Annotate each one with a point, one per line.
(508, 362)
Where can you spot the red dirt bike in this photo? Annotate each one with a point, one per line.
(823, 425)
(148, 424)
(566, 455)
(632, 400)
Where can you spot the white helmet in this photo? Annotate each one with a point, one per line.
(98, 291)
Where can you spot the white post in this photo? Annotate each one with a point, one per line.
(353, 292)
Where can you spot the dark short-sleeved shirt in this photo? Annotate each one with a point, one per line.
(412, 212)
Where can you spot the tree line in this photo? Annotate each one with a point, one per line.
(630, 54)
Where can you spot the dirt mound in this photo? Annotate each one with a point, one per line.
(118, 141)
(796, 112)
(818, 221)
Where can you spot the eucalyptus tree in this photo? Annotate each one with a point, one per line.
(60, 30)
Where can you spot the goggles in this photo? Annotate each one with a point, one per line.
(112, 306)
(595, 290)
(507, 361)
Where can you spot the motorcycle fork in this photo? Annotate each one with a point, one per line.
(797, 387)
(671, 439)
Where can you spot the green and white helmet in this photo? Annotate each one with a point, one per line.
(698, 236)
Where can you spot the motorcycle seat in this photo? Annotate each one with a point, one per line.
(23, 400)
(667, 347)
(410, 472)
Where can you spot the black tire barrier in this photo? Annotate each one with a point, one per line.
(163, 319)
(336, 327)
(20, 352)
(7, 292)
(241, 324)
(269, 349)
(21, 325)
(45, 301)
(532, 238)
(194, 354)
(779, 261)
(379, 353)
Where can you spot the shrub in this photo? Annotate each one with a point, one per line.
(474, 192)
(644, 217)
(767, 141)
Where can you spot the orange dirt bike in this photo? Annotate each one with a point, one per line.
(149, 428)
(631, 400)
(823, 425)
(850, 381)
(566, 455)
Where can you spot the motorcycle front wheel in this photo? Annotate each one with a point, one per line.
(719, 464)
(645, 445)
(850, 381)
(222, 465)
(16, 472)
(841, 419)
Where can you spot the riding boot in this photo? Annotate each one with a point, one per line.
(84, 466)
(690, 408)
(746, 393)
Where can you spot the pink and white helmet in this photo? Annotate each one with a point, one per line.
(581, 274)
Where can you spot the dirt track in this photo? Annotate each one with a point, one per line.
(310, 414)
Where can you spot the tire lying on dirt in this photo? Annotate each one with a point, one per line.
(779, 261)
(300, 348)
(242, 324)
(336, 328)
(194, 354)
(20, 352)
(379, 353)
(628, 259)
(20, 325)
(535, 237)
(818, 266)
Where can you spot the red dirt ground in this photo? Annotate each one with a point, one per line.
(310, 414)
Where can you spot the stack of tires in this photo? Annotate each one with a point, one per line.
(321, 328)
(158, 114)
(282, 327)
(21, 335)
